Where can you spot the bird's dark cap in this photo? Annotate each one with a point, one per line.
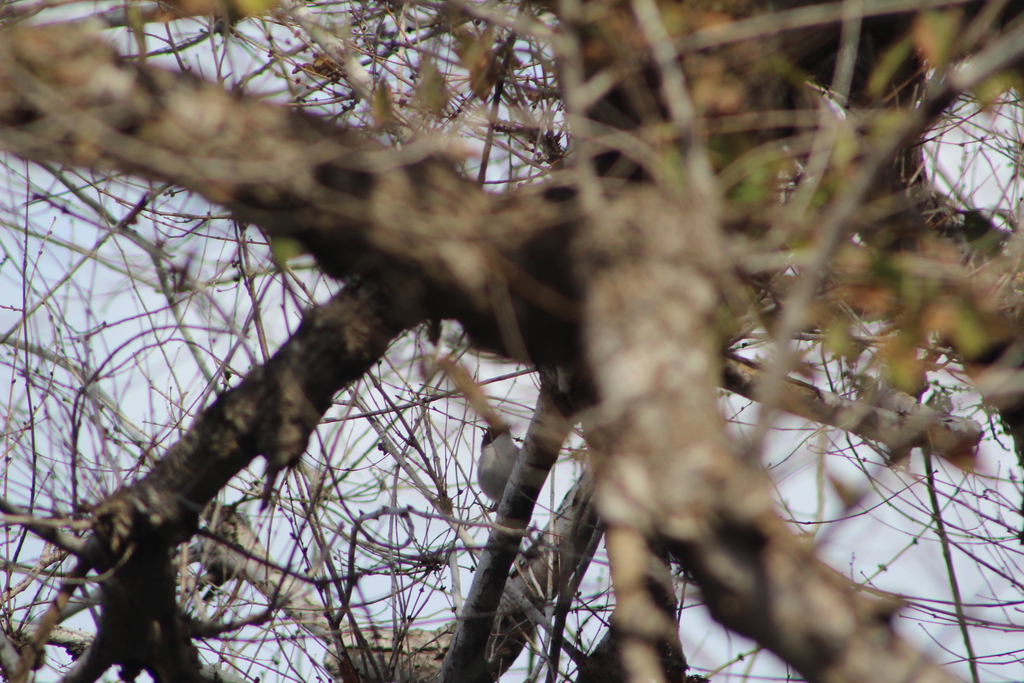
(491, 433)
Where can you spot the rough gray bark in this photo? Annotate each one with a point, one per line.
(435, 243)
(898, 425)
(670, 474)
(467, 659)
(271, 413)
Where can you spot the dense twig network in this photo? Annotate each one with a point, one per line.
(741, 279)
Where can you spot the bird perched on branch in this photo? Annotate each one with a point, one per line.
(498, 455)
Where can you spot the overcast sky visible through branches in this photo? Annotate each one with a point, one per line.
(97, 301)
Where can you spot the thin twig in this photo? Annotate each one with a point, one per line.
(947, 556)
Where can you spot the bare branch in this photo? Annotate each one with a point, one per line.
(271, 413)
(440, 245)
(420, 651)
(466, 660)
(910, 425)
(670, 473)
(49, 532)
(624, 270)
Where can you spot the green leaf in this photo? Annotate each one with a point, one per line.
(381, 106)
(284, 248)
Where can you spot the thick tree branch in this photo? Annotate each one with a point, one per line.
(563, 551)
(438, 244)
(271, 413)
(327, 198)
(670, 474)
(432, 245)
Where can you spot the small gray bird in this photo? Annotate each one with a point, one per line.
(498, 454)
